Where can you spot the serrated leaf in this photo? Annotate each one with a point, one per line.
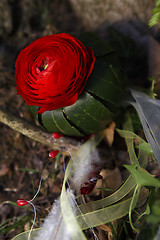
(142, 177)
(145, 147)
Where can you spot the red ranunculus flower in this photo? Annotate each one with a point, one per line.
(52, 71)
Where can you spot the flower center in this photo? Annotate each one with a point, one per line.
(43, 65)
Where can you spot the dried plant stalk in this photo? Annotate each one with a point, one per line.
(36, 133)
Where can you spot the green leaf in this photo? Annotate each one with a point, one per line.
(129, 137)
(88, 114)
(48, 122)
(157, 3)
(142, 177)
(98, 45)
(146, 212)
(156, 208)
(33, 110)
(64, 125)
(153, 218)
(156, 16)
(155, 213)
(54, 121)
(107, 79)
(125, 47)
(106, 82)
(145, 147)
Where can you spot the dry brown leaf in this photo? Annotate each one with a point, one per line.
(105, 228)
(142, 197)
(112, 178)
(109, 134)
(4, 169)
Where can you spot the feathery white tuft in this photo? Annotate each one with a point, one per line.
(54, 227)
(83, 168)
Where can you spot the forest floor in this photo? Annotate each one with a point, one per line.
(22, 159)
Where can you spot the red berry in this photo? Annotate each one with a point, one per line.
(21, 202)
(56, 135)
(91, 183)
(87, 189)
(53, 153)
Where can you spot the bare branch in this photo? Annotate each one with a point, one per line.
(37, 134)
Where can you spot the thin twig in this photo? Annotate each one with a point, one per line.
(36, 133)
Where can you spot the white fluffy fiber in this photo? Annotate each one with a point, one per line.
(54, 227)
(82, 169)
